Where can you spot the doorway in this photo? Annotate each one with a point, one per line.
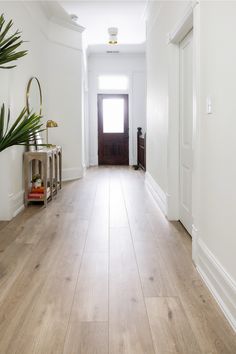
(186, 131)
(113, 129)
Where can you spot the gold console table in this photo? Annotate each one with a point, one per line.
(48, 164)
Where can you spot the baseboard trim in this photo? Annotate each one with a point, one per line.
(218, 281)
(16, 203)
(93, 161)
(156, 192)
(70, 174)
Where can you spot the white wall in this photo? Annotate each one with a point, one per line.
(64, 105)
(161, 20)
(55, 57)
(15, 83)
(133, 66)
(214, 170)
(217, 170)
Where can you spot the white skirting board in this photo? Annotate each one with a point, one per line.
(218, 281)
(70, 174)
(157, 193)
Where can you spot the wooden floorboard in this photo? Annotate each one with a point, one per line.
(101, 270)
(168, 320)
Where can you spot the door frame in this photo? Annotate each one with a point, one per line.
(190, 21)
(185, 151)
(100, 97)
(94, 91)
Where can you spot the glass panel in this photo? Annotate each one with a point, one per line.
(113, 115)
(113, 82)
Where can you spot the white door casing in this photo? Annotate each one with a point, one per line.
(186, 131)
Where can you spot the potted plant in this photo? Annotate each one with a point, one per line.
(37, 181)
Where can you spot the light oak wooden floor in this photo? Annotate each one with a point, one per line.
(102, 271)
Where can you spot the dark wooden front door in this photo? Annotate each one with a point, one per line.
(113, 129)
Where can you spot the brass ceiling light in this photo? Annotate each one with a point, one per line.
(112, 31)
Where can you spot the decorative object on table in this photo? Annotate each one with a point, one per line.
(34, 102)
(9, 43)
(37, 181)
(50, 124)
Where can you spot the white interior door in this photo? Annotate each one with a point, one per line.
(186, 130)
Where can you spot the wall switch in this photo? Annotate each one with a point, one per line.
(209, 105)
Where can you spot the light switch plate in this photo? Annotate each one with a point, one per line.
(209, 105)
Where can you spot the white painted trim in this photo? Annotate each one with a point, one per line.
(70, 174)
(173, 134)
(188, 21)
(54, 12)
(196, 143)
(183, 28)
(16, 203)
(219, 282)
(195, 233)
(67, 24)
(156, 192)
(46, 30)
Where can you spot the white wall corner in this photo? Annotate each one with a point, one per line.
(219, 282)
(70, 174)
(156, 192)
(17, 203)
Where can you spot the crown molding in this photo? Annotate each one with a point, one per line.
(55, 13)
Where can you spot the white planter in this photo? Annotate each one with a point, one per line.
(5, 179)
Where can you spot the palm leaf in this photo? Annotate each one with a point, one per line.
(9, 44)
(22, 131)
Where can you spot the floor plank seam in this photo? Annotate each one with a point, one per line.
(77, 278)
(135, 256)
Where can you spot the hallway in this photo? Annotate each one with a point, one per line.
(102, 271)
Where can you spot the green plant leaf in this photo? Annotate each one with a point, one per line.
(22, 131)
(9, 43)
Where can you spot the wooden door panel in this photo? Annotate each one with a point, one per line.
(113, 147)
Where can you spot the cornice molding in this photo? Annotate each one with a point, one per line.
(69, 25)
(50, 19)
(55, 13)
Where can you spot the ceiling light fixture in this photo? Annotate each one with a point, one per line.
(112, 31)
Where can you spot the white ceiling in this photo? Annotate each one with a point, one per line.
(97, 16)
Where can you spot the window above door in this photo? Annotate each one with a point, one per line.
(113, 82)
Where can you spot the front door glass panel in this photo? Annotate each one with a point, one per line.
(113, 115)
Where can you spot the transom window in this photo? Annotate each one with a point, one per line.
(113, 82)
